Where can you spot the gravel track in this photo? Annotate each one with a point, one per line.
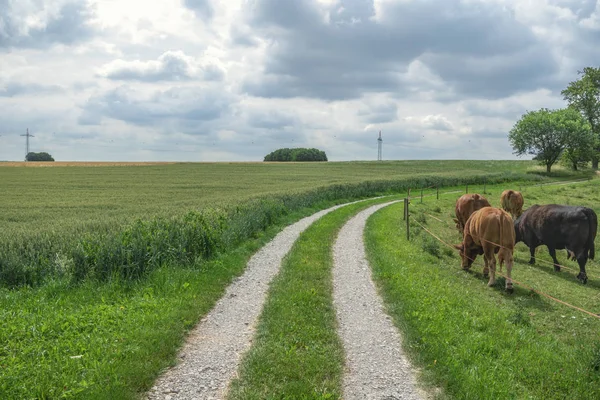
(211, 354)
(376, 367)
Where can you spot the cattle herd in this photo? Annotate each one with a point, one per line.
(489, 230)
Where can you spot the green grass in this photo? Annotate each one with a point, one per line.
(296, 353)
(51, 315)
(478, 342)
(108, 341)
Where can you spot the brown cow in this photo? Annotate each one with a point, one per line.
(489, 230)
(465, 206)
(512, 202)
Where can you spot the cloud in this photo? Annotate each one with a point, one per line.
(437, 122)
(234, 80)
(177, 108)
(271, 120)
(36, 24)
(341, 51)
(202, 8)
(380, 113)
(13, 89)
(170, 66)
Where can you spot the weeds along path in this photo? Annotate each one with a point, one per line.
(213, 349)
(376, 367)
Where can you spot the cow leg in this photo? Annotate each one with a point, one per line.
(490, 261)
(582, 260)
(508, 257)
(532, 252)
(486, 269)
(552, 251)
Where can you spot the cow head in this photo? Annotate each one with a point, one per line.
(467, 256)
(457, 224)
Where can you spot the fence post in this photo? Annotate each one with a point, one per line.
(404, 215)
(437, 193)
(407, 202)
(408, 194)
(421, 194)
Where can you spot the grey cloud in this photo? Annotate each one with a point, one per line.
(353, 54)
(18, 89)
(70, 26)
(380, 114)
(176, 108)
(170, 66)
(271, 120)
(498, 77)
(202, 8)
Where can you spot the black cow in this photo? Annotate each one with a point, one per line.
(559, 227)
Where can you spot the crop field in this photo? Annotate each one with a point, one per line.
(103, 268)
(78, 196)
(474, 341)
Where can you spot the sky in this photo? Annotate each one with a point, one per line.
(213, 80)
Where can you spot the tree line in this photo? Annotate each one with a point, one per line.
(571, 134)
(296, 154)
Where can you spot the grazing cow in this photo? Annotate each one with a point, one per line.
(512, 202)
(465, 206)
(489, 230)
(559, 227)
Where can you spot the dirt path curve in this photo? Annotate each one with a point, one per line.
(376, 367)
(212, 352)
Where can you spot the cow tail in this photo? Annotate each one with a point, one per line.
(593, 221)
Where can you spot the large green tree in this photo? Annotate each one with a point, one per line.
(545, 134)
(583, 94)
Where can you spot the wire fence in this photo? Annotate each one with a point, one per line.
(407, 219)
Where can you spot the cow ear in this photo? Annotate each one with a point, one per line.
(455, 220)
(458, 246)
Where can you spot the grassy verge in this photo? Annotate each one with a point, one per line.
(109, 340)
(297, 353)
(478, 342)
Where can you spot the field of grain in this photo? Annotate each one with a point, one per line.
(74, 196)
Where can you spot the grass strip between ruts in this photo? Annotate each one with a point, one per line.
(297, 353)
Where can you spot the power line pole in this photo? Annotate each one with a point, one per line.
(379, 145)
(27, 135)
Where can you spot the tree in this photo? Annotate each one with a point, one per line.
(296, 154)
(547, 133)
(43, 156)
(583, 94)
(580, 149)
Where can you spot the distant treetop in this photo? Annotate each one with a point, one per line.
(296, 154)
(43, 156)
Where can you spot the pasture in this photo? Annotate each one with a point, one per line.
(107, 334)
(479, 342)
